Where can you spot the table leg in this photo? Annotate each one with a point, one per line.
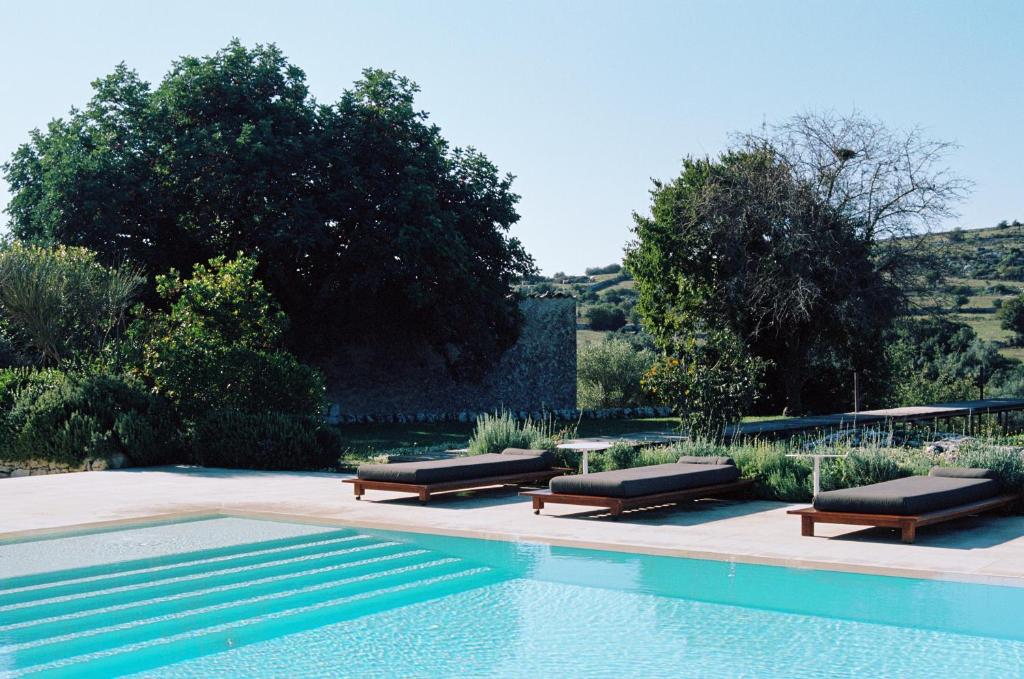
(586, 462)
(817, 475)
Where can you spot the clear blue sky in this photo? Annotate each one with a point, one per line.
(583, 101)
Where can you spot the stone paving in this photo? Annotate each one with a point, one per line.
(983, 549)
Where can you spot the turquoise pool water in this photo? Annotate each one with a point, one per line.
(350, 602)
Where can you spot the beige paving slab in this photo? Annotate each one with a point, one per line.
(981, 549)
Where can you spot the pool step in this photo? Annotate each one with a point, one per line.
(141, 625)
(163, 602)
(77, 583)
(26, 581)
(205, 577)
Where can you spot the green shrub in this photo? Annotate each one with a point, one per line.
(619, 456)
(216, 355)
(58, 302)
(72, 417)
(25, 383)
(600, 270)
(712, 382)
(230, 377)
(789, 479)
(777, 477)
(863, 467)
(1006, 461)
(606, 317)
(217, 347)
(494, 433)
(9, 354)
(609, 375)
(1011, 317)
(267, 440)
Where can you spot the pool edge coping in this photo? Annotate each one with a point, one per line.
(55, 532)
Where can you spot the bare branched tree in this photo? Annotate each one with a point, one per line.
(895, 186)
(891, 183)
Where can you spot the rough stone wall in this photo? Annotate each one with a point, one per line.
(16, 468)
(537, 374)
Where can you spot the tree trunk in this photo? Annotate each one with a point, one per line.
(794, 377)
(794, 384)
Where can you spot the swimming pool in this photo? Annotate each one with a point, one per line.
(233, 597)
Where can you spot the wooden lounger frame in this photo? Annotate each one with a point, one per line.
(425, 490)
(617, 505)
(907, 525)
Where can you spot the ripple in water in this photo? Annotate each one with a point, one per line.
(527, 628)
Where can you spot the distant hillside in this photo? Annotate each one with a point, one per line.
(982, 269)
(995, 254)
(605, 295)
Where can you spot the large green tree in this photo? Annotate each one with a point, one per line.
(740, 243)
(802, 242)
(367, 224)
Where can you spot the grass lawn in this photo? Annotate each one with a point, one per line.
(585, 337)
(986, 325)
(621, 285)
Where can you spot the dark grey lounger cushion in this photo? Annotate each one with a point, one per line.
(909, 496)
(705, 459)
(658, 478)
(457, 469)
(964, 472)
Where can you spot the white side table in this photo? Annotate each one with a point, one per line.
(585, 447)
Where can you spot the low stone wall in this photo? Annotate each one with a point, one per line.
(12, 469)
(16, 468)
(537, 374)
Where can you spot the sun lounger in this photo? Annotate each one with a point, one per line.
(689, 478)
(512, 466)
(947, 493)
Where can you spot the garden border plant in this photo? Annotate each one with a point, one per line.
(788, 479)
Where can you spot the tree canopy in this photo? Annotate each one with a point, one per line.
(366, 222)
(792, 243)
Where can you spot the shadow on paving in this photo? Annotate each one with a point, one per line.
(222, 473)
(972, 532)
(691, 513)
(462, 500)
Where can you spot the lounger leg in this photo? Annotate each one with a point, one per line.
(538, 505)
(616, 511)
(424, 495)
(807, 526)
(358, 489)
(908, 532)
